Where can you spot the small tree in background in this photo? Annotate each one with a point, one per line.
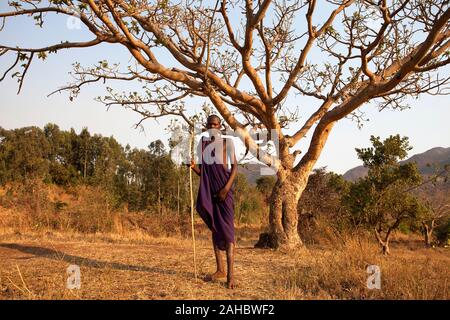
(382, 200)
(320, 205)
(437, 214)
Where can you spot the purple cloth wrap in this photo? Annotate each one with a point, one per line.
(218, 215)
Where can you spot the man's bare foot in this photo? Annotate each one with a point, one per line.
(231, 283)
(216, 275)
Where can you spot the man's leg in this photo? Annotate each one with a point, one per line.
(220, 272)
(231, 282)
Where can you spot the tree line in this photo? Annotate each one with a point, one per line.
(393, 196)
(140, 179)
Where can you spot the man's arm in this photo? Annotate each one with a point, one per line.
(196, 169)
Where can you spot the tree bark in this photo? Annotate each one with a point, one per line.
(283, 215)
(385, 249)
(428, 232)
(291, 182)
(384, 243)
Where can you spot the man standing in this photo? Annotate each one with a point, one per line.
(215, 203)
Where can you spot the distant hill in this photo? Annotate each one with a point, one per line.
(435, 157)
(438, 156)
(253, 171)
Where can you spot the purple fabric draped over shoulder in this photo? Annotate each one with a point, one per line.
(217, 215)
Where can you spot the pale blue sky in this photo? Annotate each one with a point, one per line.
(426, 123)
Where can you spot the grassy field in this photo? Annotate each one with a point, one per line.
(136, 255)
(138, 266)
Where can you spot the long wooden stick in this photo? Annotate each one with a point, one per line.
(192, 203)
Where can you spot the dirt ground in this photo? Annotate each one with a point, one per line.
(34, 267)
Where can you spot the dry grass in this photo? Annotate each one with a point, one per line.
(141, 256)
(340, 273)
(33, 266)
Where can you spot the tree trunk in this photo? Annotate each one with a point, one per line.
(384, 243)
(385, 249)
(428, 232)
(283, 215)
(291, 182)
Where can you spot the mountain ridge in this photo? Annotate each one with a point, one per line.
(435, 157)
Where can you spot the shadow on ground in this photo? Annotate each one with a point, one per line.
(88, 262)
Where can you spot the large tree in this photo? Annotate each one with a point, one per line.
(250, 59)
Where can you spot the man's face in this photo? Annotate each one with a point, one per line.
(213, 123)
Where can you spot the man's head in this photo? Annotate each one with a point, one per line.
(213, 122)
